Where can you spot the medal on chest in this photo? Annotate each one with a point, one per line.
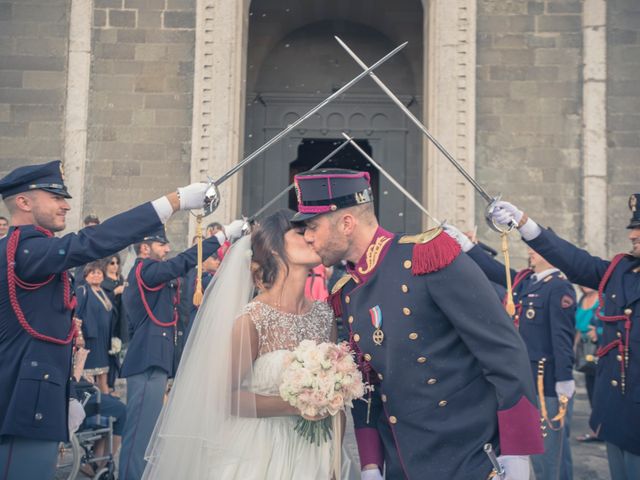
(376, 321)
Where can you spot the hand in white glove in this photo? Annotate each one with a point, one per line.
(233, 231)
(76, 415)
(566, 388)
(504, 213)
(459, 237)
(516, 467)
(373, 474)
(192, 196)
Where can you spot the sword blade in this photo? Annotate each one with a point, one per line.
(418, 124)
(284, 192)
(293, 125)
(391, 179)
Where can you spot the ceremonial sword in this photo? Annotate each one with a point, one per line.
(212, 195)
(483, 193)
(491, 201)
(266, 206)
(390, 178)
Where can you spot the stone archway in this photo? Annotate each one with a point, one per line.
(298, 72)
(445, 85)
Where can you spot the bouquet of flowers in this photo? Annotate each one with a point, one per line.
(320, 379)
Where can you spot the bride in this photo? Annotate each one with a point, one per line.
(224, 418)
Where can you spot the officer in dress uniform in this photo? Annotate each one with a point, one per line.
(615, 415)
(36, 305)
(451, 372)
(545, 314)
(151, 301)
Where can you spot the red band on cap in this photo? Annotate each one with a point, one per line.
(314, 208)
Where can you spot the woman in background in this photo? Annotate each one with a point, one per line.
(96, 312)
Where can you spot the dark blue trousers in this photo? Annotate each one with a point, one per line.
(145, 395)
(23, 458)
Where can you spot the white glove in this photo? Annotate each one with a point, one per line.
(566, 388)
(373, 474)
(459, 237)
(233, 231)
(504, 213)
(76, 415)
(192, 196)
(516, 467)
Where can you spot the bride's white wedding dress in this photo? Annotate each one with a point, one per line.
(198, 437)
(278, 451)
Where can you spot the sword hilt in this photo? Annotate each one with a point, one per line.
(497, 466)
(211, 197)
(489, 217)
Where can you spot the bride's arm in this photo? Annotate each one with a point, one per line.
(244, 351)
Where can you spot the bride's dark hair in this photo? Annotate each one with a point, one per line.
(267, 243)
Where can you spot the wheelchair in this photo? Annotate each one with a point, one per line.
(80, 448)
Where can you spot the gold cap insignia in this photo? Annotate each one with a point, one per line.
(633, 203)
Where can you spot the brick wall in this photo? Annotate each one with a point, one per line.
(33, 59)
(623, 118)
(140, 105)
(529, 111)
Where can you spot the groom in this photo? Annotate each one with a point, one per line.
(451, 373)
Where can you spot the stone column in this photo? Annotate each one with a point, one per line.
(594, 126)
(450, 43)
(77, 106)
(218, 98)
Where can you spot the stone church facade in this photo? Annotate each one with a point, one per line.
(539, 99)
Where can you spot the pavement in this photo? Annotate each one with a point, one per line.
(589, 459)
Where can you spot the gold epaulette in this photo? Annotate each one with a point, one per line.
(340, 283)
(423, 237)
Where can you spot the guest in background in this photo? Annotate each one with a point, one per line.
(315, 287)
(212, 229)
(113, 285)
(588, 329)
(4, 227)
(96, 312)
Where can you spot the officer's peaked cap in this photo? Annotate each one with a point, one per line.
(46, 176)
(158, 235)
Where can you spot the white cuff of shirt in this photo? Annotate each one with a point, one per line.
(530, 230)
(163, 208)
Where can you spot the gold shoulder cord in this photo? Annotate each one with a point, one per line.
(197, 294)
(562, 410)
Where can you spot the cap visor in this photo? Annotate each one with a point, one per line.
(634, 224)
(303, 217)
(58, 191)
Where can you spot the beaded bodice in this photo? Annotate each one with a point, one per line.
(284, 331)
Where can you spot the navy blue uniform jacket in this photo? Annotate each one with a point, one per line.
(34, 375)
(152, 344)
(545, 312)
(615, 415)
(452, 371)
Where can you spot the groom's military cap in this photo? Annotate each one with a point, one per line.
(327, 190)
(46, 176)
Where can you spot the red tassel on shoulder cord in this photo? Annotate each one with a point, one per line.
(434, 254)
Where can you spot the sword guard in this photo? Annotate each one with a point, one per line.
(489, 217)
(247, 226)
(211, 198)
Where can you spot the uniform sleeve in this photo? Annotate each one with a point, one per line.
(466, 297)
(367, 436)
(562, 313)
(493, 269)
(578, 265)
(38, 257)
(155, 273)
